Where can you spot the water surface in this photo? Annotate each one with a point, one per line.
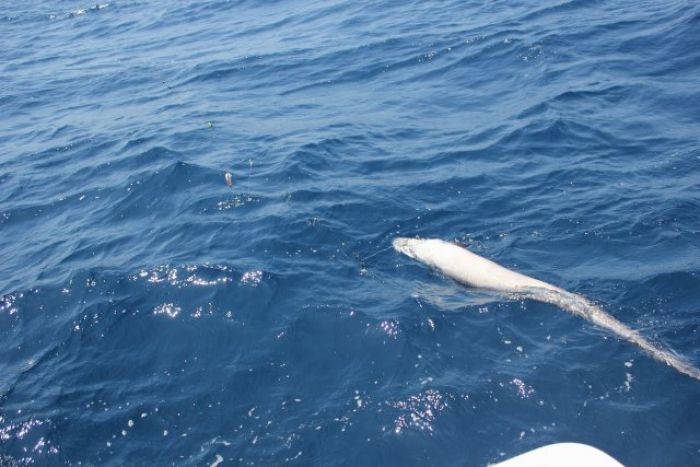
(152, 315)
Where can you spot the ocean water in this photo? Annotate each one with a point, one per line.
(151, 315)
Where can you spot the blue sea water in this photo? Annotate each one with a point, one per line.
(151, 315)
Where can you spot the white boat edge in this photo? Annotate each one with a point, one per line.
(561, 454)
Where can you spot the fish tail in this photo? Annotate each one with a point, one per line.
(580, 306)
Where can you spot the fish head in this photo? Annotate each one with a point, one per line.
(407, 246)
(433, 252)
(420, 249)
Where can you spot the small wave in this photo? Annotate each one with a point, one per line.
(420, 411)
(34, 435)
(78, 12)
(237, 202)
(8, 303)
(196, 276)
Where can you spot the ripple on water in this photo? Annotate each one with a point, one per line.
(421, 410)
(196, 276)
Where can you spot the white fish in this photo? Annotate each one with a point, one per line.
(472, 270)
